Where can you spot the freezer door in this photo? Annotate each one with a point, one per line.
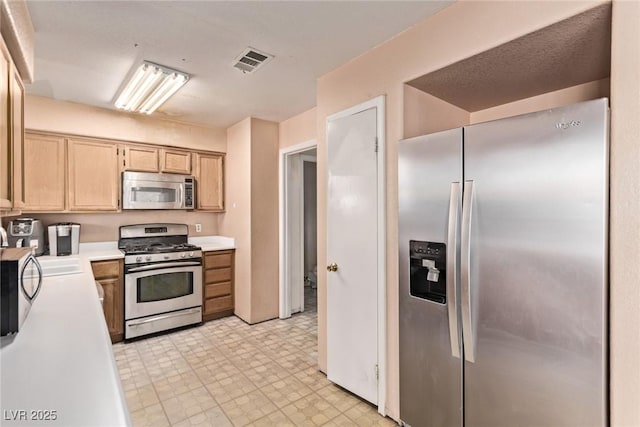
(535, 339)
(430, 363)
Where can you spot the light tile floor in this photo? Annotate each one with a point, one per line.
(229, 373)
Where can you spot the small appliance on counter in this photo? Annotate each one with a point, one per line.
(20, 281)
(64, 239)
(26, 233)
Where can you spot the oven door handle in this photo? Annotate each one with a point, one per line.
(164, 265)
(165, 316)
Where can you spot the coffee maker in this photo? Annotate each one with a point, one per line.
(26, 233)
(64, 239)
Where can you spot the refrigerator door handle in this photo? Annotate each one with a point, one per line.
(452, 262)
(465, 273)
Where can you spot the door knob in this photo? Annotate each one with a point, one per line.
(332, 267)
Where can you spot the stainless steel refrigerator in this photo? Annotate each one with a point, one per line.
(503, 272)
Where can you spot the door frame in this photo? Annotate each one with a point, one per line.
(284, 233)
(379, 104)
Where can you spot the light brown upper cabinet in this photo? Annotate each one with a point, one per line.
(140, 158)
(5, 150)
(93, 175)
(175, 161)
(16, 94)
(209, 172)
(43, 173)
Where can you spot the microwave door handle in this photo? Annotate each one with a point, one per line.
(180, 202)
(35, 262)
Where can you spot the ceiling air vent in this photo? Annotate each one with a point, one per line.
(251, 59)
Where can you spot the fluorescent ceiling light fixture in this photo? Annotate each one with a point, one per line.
(150, 86)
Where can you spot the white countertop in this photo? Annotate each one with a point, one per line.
(61, 360)
(213, 243)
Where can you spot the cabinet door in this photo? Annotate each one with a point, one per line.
(175, 161)
(217, 281)
(110, 276)
(5, 151)
(140, 158)
(17, 137)
(209, 181)
(43, 175)
(93, 175)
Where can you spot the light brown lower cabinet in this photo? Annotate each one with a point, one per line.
(217, 282)
(110, 275)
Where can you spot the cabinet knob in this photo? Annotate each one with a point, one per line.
(332, 267)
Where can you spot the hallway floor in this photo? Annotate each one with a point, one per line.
(229, 373)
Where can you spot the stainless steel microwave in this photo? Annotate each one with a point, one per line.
(142, 190)
(20, 283)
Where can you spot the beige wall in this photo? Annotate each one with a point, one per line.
(625, 215)
(457, 32)
(297, 129)
(424, 113)
(47, 114)
(100, 227)
(558, 98)
(236, 221)
(251, 193)
(264, 220)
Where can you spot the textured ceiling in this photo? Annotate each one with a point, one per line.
(570, 52)
(85, 49)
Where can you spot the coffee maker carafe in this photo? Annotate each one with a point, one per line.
(64, 239)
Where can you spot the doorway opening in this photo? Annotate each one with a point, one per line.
(298, 229)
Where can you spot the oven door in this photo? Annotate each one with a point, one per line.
(159, 288)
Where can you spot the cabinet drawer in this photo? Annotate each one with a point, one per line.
(104, 269)
(218, 304)
(217, 290)
(217, 260)
(217, 275)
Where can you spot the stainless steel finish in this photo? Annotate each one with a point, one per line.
(164, 316)
(20, 285)
(163, 265)
(430, 378)
(465, 274)
(147, 230)
(163, 322)
(4, 240)
(135, 181)
(134, 310)
(67, 233)
(533, 272)
(157, 257)
(452, 269)
(538, 269)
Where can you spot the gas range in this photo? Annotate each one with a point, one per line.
(163, 278)
(146, 243)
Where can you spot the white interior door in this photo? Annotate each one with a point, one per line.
(352, 244)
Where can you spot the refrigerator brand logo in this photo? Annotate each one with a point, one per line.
(568, 125)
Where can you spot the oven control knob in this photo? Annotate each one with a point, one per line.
(138, 259)
(148, 258)
(183, 255)
(191, 254)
